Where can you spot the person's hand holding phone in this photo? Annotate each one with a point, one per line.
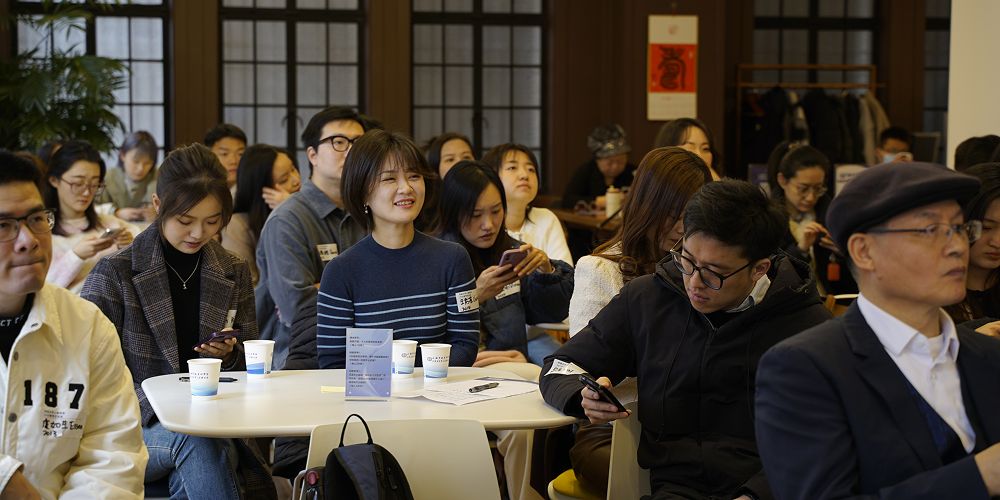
(536, 259)
(90, 245)
(131, 214)
(123, 239)
(811, 233)
(492, 280)
(221, 349)
(596, 408)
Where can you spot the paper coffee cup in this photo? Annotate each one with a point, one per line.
(258, 356)
(204, 377)
(435, 358)
(404, 353)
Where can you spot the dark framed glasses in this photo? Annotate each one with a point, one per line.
(709, 277)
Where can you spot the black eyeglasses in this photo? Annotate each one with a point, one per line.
(709, 277)
(39, 222)
(339, 143)
(940, 233)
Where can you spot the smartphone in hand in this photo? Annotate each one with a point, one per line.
(111, 232)
(218, 337)
(512, 257)
(602, 391)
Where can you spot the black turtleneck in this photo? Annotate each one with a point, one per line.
(10, 327)
(186, 302)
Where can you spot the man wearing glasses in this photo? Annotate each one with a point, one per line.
(890, 400)
(70, 416)
(692, 333)
(308, 230)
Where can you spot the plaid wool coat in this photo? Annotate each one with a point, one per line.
(131, 287)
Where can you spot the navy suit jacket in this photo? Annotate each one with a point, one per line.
(836, 419)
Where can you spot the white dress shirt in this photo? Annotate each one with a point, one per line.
(930, 364)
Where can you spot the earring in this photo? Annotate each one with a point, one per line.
(366, 209)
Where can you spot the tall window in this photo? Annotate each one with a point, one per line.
(813, 32)
(478, 69)
(937, 44)
(132, 33)
(285, 60)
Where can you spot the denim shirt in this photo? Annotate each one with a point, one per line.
(289, 260)
(542, 298)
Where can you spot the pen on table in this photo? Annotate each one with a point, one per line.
(221, 379)
(480, 388)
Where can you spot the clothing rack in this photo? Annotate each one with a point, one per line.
(744, 80)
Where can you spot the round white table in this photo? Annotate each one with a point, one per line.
(290, 403)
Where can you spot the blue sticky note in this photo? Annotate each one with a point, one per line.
(369, 363)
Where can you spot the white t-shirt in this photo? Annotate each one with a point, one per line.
(543, 230)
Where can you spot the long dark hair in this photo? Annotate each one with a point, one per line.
(664, 182)
(975, 209)
(675, 132)
(433, 147)
(253, 175)
(62, 160)
(462, 187)
(188, 175)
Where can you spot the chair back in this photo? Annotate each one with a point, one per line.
(445, 459)
(838, 304)
(625, 478)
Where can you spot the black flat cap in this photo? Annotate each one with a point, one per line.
(883, 191)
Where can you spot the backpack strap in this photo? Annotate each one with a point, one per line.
(344, 429)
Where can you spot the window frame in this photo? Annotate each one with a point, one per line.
(126, 10)
(290, 15)
(478, 19)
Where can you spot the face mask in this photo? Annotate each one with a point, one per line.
(889, 157)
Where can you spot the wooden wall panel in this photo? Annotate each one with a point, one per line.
(597, 71)
(194, 29)
(901, 61)
(6, 35)
(389, 53)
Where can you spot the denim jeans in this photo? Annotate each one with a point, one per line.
(198, 467)
(540, 347)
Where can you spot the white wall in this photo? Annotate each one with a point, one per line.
(974, 72)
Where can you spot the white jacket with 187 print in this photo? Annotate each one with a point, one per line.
(70, 413)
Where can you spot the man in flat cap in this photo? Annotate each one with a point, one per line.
(889, 400)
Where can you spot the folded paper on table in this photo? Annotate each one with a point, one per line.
(457, 393)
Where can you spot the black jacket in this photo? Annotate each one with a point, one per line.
(587, 183)
(695, 381)
(844, 282)
(837, 419)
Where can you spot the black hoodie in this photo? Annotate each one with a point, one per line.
(695, 380)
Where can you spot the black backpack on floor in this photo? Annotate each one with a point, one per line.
(364, 471)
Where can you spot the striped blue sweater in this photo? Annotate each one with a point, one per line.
(413, 290)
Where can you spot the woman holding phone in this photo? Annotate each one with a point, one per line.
(521, 289)
(800, 178)
(80, 237)
(172, 289)
(396, 277)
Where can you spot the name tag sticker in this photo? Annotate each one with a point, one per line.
(509, 290)
(560, 367)
(230, 318)
(327, 252)
(467, 301)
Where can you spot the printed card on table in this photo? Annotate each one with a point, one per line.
(369, 363)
